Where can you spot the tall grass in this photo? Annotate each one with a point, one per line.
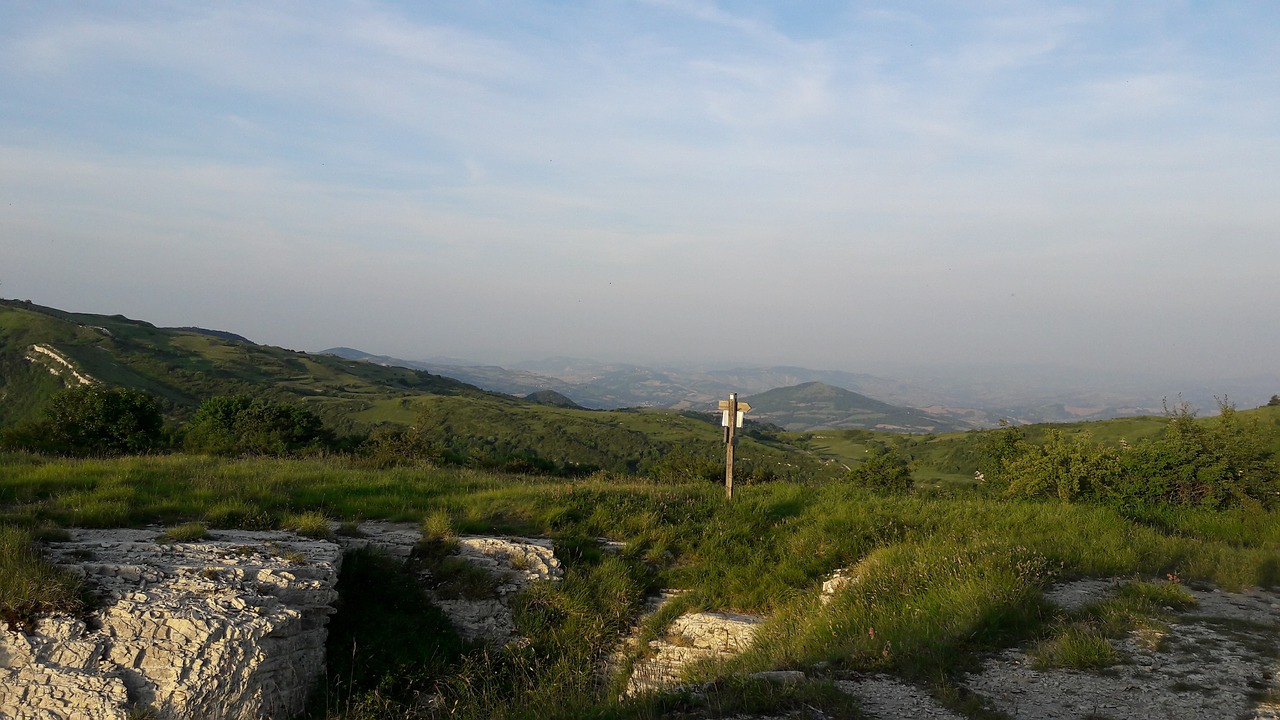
(942, 578)
(30, 585)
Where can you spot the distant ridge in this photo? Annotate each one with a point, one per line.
(818, 406)
(552, 398)
(220, 334)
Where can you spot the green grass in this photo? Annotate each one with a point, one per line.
(944, 577)
(1079, 646)
(184, 533)
(1083, 640)
(30, 585)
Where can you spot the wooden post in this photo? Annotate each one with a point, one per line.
(732, 411)
(731, 439)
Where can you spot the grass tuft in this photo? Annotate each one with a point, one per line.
(1078, 646)
(30, 585)
(186, 532)
(308, 524)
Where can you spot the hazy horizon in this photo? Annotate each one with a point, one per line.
(844, 186)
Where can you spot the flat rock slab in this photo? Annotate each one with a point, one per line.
(888, 698)
(691, 638)
(1217, 660)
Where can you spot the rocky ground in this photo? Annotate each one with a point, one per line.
(234, 626)
(1218, 659)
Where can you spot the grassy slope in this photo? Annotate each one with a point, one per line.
(943, 578)
(182, 368)
(952, 458)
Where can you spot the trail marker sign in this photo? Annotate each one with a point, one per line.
(731, 417)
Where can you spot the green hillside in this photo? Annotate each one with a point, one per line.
(816, 405)
(181, 367)
(952, 458)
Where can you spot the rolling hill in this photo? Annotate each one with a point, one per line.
(43, 350)
(816, 405)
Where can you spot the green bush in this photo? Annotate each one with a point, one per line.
(93, 420)
(885, 470)
(1221, 463)
(1074, 468)
(240, 425)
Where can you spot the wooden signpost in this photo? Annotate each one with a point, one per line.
(731, 412)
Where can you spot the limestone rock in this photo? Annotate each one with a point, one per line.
(230, 627)
(514, 562)
(691, 638)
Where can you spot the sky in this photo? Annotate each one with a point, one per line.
(839, 185)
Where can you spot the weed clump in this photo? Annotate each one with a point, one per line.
(187, 532)
(308, 524)
(1084, 642)
(1081, 646)
(30, 585)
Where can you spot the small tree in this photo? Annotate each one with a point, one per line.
(240, 425)
(94, 420)
(884, 470)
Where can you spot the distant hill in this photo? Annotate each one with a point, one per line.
(621, 385)
(44, 350)
(815, 405)
(971, 398)
(552, 398)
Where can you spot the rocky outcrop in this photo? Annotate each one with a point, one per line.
(691, 638)
(229, 627)
(513, 562)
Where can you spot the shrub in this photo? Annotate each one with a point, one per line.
(240, 425)
(1217, 464)
(1071, 469)
(93, 420)
(884, 470)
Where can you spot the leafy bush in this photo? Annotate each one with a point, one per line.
(93, 420)
(1224, 462)
(884, 470)
(240, 425)
(1072, 469)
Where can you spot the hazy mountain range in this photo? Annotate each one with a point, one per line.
(954, 398)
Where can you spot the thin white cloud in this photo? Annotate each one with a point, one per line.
(610, 164)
